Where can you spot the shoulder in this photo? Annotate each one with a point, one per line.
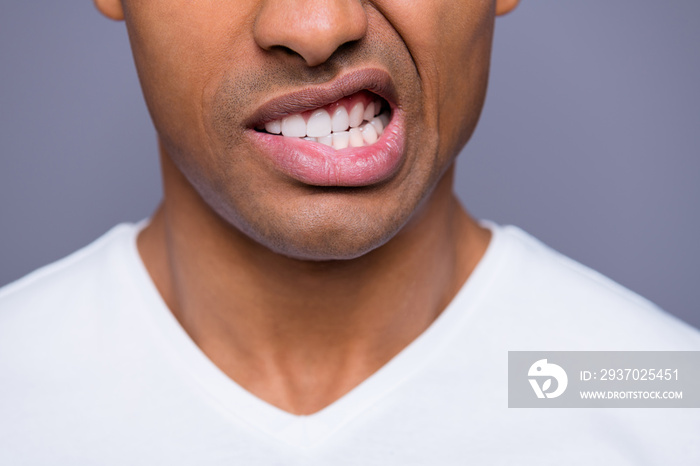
(60, 302)
(562, 302)
(70, 276)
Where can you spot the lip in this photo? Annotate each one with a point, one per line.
(372, 79)
(317, 164)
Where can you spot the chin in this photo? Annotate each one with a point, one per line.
(330, 245)
(323, 238)
(325, 251)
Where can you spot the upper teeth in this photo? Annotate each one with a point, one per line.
(361, 126)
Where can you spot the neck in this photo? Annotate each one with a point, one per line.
(300, 334)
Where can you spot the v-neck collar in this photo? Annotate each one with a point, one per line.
(305, 431)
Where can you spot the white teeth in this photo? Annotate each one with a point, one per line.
(364, 128)
(294, 126)
(327, 140)
(378, 125)
(274, 127)
(356, 139)
(341, 140)
(341, 120)
(369, 134)
(319, 124)
(357, 115)
(369, 112)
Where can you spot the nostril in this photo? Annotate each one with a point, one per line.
(311, 29)
(284, 50)
(347, 47)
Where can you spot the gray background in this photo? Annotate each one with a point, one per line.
(589, 138)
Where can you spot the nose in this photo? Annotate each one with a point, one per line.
(313, 29)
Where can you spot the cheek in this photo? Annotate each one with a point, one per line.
(450, 42)
(180, 47)
(463, 84)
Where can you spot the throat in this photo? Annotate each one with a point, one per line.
(301, 334)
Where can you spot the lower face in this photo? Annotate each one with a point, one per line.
(330, 182)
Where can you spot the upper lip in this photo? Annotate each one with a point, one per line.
(374, 80)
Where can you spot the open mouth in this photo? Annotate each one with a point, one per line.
(357, 120)
(346, 132)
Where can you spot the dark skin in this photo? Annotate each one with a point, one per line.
(301, 292)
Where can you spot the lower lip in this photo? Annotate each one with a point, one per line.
(319, 165)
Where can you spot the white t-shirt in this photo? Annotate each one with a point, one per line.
(95, 370)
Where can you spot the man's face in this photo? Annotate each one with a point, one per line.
(221, 77)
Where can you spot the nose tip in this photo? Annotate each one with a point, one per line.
(313, 29)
